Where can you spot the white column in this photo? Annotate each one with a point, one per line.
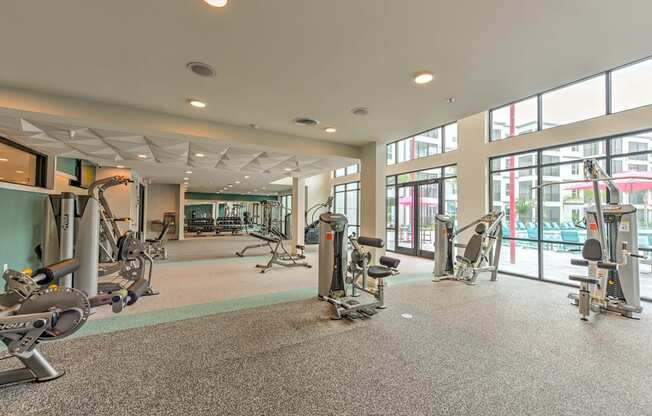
(372, 193)
(298, 212)
(181, 212)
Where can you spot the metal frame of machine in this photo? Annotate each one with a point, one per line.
(610, 252)
(481, 253)
(35, 309)
(335, 275)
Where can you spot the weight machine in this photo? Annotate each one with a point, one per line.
(35, 309)
(481, 253)
(610, 252)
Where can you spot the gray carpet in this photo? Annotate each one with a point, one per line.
(514, 347)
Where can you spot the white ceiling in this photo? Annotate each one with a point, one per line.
(279, 59)
(167, 160)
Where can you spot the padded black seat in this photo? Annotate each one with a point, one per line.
(379, 272)
(473, 248)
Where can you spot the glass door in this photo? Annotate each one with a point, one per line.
(427, 209)
(406, 224)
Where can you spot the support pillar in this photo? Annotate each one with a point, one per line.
(372, 194)
(298, 212)
(181, 220)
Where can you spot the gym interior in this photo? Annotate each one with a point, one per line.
(255, 207)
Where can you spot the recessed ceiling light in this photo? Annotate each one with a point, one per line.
(330, 129)
(142, 156)
(199, 154)
(188, 172)
(217, 3)
(186, 179)
(19, 171)
(237, 182)
(423, 77)
(2, 159)
(247, 176)
(249, 192)
(288, 169)
(197, 103)
(120, 167)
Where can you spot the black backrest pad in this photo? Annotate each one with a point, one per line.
(473, 248)
(389, 262)
(371, 242)
(592, 250)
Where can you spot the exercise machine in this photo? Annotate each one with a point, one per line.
(336, 276)
(481, 253)
(278, 253)
(311, 235)
(35, 309)
(610, 251)
(83, 227)
(155, 247)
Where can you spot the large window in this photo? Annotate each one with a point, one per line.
(429, 143)
(579, 101)
(349, 170)
(620, 89)
(514, 119)
(631, 86)
(347, 202)
(286, 208)
(413, 201)
(543, 227)
(20, 165)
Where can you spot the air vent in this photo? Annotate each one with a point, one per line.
(302, 121)
(360, 111)
(201, 69)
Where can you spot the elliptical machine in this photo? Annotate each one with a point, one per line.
(481, 253)
(335, 276)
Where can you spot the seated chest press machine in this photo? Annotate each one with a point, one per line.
(481, 253)
(335, 276)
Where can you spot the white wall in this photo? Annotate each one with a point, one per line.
(122, 199)
(161, 198)
(319, 188)
(472, 156)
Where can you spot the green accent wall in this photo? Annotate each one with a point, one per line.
(229, 197)
(66, 165)
(21, 225)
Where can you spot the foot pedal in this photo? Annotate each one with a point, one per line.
(368, 311)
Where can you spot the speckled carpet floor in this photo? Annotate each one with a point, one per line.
(514, 347)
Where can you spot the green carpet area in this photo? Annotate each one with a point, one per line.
(123, 322)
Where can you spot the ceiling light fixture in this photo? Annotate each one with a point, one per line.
(186, 179)
(450, 100)
(288, 169)
(201, 69)
(230, 186)
(120, 167)
(247, 176)
(330, 129)
(423, 77)
(237, 182)
(197, 103)
(20, 172)
(199, 154)
(142, 156)
(2, 159)
(217, 3)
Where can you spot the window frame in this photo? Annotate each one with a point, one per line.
(608, 100)
(441, 127)
(41, 165)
